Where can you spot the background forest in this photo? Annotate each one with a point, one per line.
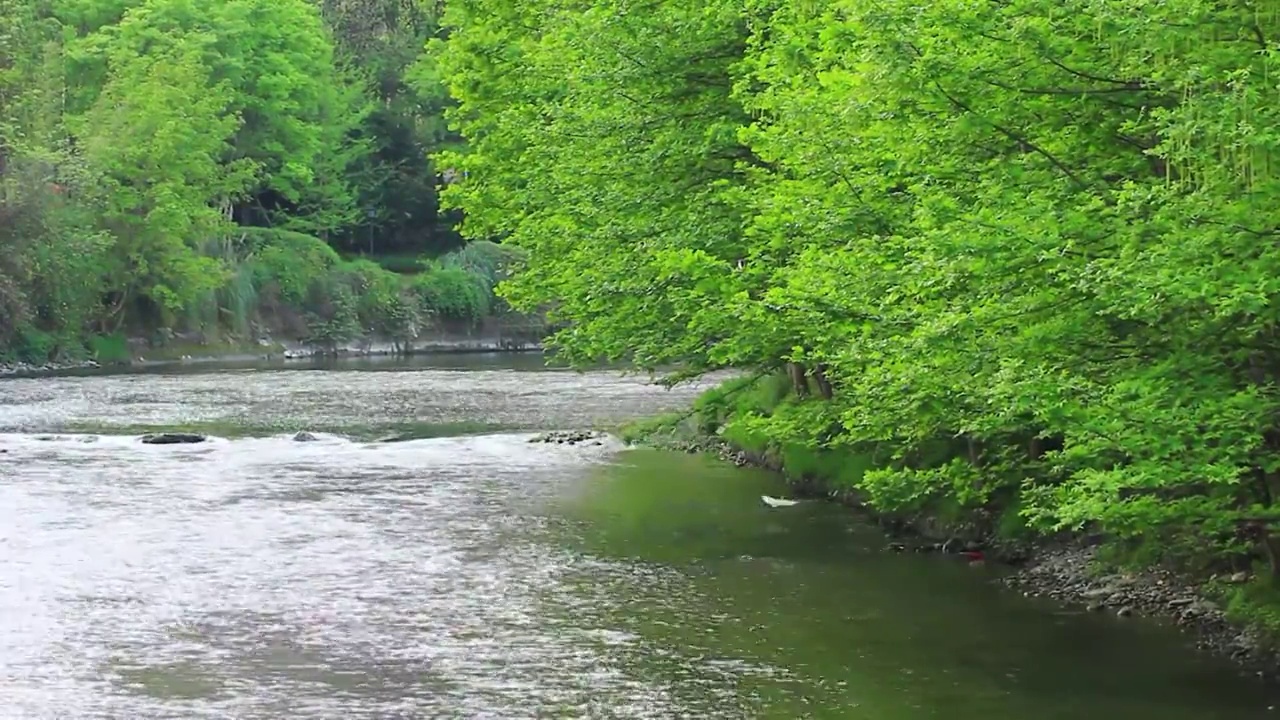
(224, 170)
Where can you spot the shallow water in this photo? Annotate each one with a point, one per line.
(481, 576)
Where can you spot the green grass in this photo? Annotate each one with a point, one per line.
(1255, 604)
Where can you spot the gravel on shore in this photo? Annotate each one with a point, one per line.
(1066, 573)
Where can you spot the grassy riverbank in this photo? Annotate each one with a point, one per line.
(285, 292)
(1216, 597)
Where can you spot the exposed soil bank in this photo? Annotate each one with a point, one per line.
(1065, 569)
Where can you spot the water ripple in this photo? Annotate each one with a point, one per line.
(257, 577)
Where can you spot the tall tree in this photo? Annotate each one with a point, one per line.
(983, 227)
(606, 145)
(382, 41)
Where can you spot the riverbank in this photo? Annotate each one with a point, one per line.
(1072, 573)
(1233, 615)
(202, 353)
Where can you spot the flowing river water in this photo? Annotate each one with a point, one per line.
(463, 572)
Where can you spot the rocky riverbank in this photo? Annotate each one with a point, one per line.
(571, 437)
(1062, 569)
(1068, 573)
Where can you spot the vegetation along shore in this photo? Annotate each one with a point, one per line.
(1014, 264)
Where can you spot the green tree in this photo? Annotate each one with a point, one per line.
(159, 132)
(1019, 250)
(382, 42)
(606, 146)
(274, 63)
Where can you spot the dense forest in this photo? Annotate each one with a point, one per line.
(1016, 259)
(224, 169)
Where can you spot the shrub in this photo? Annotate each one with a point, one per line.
(109, 348)
(35, 346)
(287, 262)
(484, 259)
(451, 293)
(384, 303)
(333, 314)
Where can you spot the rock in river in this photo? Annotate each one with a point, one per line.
(172, 438)
(305, 436)
(570, 438)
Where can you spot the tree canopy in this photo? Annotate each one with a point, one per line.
(1040, 232)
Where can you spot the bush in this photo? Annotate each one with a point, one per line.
(403, 317)
(484, 259)
(377, 291)
(109, 348)
(384, 304)
(35, 346)
(296, 282)
(452, 294)
(13, 309)
(287, 262)
(333, 317)
(490, 263)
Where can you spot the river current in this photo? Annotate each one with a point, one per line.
(423, 559)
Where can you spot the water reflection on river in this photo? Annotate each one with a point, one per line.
(481, 576)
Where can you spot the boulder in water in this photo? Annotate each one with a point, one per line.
(560, 437)
(305, 436)
(176, 438)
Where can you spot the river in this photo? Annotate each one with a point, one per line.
(463, 572)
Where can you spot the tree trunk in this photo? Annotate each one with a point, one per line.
(820, 378)
(1271, 548)
(1269, 484)
(798, 381)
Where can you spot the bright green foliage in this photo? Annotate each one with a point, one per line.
(158, 132)
(602, 141)
(269, 65)
(1022, 252)
(294, 274)
(50, 252)
(488, 264)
